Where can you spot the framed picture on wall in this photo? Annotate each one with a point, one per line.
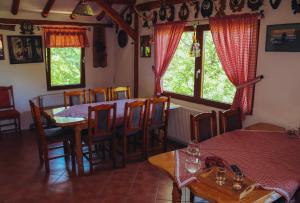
(283, 38)
(1, 48)
(145, 47)
(25, 49)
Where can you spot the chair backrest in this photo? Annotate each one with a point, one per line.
(98, 95)
(203, 126)
(36, 113)
(7, 97)
(74, 98)
(230, 120)
(135, 115)
(118, 93)
(102, 120)
(159, 111)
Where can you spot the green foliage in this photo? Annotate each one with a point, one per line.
(179, 77)
(65, 66)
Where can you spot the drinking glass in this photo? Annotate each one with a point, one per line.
(238, 179)
(193, 149)
(221, 176)
(192, 164)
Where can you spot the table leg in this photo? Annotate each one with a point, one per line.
(176, 193)
(78, 149)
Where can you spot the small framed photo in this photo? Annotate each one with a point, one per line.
(145, 46)
(25, 49)
(1, 48)
(283, 38)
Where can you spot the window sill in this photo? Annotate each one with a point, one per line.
(64, 87)
(198, 100)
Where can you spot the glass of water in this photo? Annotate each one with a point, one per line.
(221, 176)
(193, 149)
(192, 164)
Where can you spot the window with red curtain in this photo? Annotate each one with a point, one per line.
(65, 51)
(236, 41)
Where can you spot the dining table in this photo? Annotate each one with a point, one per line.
(269, 158)
(76, 117)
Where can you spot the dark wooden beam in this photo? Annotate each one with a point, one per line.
(136, 58)
(47, 8)
(156, 4)
(124, 10)
(128, 2)
(7, 27)
(15, 7)
(48, 22)
(116, 17)
(102, 13)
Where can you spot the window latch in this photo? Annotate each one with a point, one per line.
(198, 73)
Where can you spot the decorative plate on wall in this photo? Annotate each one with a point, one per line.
(207, 8)
(275, 3)
(184, 12)
(236, 5)
(122, 38)
(170, 13)
(254, 5)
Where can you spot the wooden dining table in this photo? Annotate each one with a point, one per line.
(76, 117)
(167, 163)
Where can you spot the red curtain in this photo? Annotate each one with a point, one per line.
(236, 41)
(65, 37)
(166, 37)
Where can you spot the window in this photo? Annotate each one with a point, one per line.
(201, 79)
(65, 68)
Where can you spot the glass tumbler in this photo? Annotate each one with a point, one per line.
(221, 176)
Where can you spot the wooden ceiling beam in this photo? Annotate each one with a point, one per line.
(47, 8)
(102, 13)
(15, 7)
(156, 4)
(128, 2)
(116, 17)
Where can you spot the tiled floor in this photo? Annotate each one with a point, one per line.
(23, 180)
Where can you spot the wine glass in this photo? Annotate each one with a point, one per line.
(192, 164)
(193, 149)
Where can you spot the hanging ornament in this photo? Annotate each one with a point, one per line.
(170, 12)
(220, 6)
(162, 13)
(254, 4)
(195, 50)
(207, 8)
(296, 6)
(275, 4)
(154, 17)
(128, 18)
(184, 12)
(236, 5)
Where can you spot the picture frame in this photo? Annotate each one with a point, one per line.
(283, 38)
(1, 48)
(25, 49)
(145, 47)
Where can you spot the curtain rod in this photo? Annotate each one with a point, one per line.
(66, 26)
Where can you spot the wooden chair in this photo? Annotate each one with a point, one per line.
(74, 98)
(230, 120)
(203, 126)
(101, 129)
(158, 121)
(118, 93)
(134, 126)
(8, 111)
(49, 140)
(98, 95)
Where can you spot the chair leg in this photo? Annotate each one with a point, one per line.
(124, 150)
(113, 152)
(67, 150)
(165, 141)
(91, 157)
(46, 160)
(19, 126)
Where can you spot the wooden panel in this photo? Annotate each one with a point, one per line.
(47, 8)
(99, 47)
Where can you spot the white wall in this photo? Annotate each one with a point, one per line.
(29, 80)
(277, 97)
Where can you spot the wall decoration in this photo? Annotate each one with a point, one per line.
(236, 5)
(26, 27)
(25, 49)
(7, 27)
(122, 38)
(154, 17)
(184, 12)
(296, 6)
(220, 6)
(254, 5)
(99, 47)
(145, 24)
(145, 48)
(1, 48)
(283, 38)
(275, 3)
(128, 18)
(207, 8)
(170, 12)
(162, 13)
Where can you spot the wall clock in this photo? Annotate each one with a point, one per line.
(236, 5)
(275, 3)
(254, 5)
(207, 8)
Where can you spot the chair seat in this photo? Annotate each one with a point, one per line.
(9, 114)
(57, 132)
